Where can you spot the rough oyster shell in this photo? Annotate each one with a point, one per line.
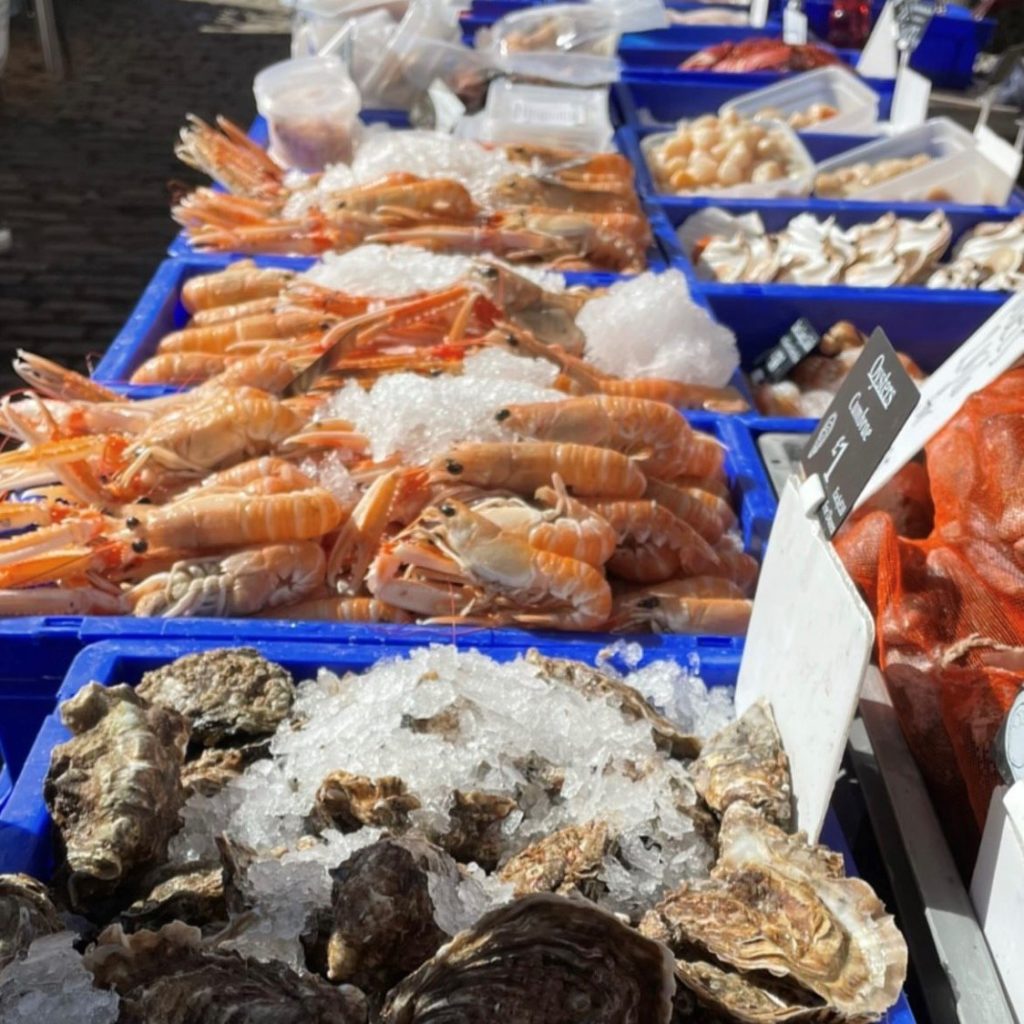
(777, 904)
(566, 861)
(596, 685)
(706, 987)
(26, 913)
(227, 694)
(193, 895)
(745, 762)
(348, 802)
(174, 977)
(215, 767)
(114, 789)
(540, 960)
(474, 827)
(384, 922)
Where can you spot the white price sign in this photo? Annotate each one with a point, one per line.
(910, 98)
(807, 650)
(878, 58)
(794, 27)
(758, 13)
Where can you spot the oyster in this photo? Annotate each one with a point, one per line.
(596, 685)
(540, 960)
(193, 895)
(348, 802)
(26, 912)
(229, 694)
(215, 767)
(745, 762)
(114, 789)
(175, 977)
(778, 904)
(384, 922)
(474, 827)
(446, 723)
(565, 861)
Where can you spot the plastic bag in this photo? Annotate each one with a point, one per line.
(328, 26)
(570, 44)
(945, 603)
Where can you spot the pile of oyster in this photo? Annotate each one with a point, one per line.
(889, 251)
(990, 258)
(408, 908)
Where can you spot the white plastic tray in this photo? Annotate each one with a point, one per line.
(957, 171)
(799, 182)
(856, 102)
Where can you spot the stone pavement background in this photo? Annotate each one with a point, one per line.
(86, 164)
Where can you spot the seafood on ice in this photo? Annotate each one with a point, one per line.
(522, 203)
(638, 867)
(811, 385)
(760, 54)
(499, 479)
(712, 153)
(888, 251)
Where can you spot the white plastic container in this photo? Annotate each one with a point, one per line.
(797, 183)
(542, 115)
(312, 111)
(957, 171)
(856, 103)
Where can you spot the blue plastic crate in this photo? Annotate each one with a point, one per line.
(947, 49)
(652, 98)
(26, 842)
(32, 642)
(777, 213)
(820, 146)
(663, 56)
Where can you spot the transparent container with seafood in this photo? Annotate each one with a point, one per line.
(826, 100)
(937, 161)
(729, 156)
(312, 110)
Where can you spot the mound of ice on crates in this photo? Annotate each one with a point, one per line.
(499, 754)
(650, 326)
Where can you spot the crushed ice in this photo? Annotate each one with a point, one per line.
(50, 983)
(509, 717)
(650, 327)
(394, 271)
(421, 417)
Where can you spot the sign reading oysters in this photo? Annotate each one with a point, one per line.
(864, 418)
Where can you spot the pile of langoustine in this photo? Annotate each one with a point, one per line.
(604, 509)
(552, 206)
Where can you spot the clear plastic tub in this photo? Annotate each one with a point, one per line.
(856, 103)
(542, 115)
(956, 171)
(797, 183)
(312, 110)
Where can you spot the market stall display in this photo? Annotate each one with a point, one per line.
(364, 847)
(398, 389)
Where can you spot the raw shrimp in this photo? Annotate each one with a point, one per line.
(239, 283)
(524, 467)
(524, 575)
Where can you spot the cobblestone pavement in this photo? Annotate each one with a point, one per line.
(86, 164)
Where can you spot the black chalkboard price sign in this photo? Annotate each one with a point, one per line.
(862, 422)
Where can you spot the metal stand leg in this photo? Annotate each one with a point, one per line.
(53, 57)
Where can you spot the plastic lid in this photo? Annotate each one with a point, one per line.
(545, 115)
(308, 85)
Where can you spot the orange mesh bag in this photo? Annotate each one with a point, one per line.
(945, 602)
